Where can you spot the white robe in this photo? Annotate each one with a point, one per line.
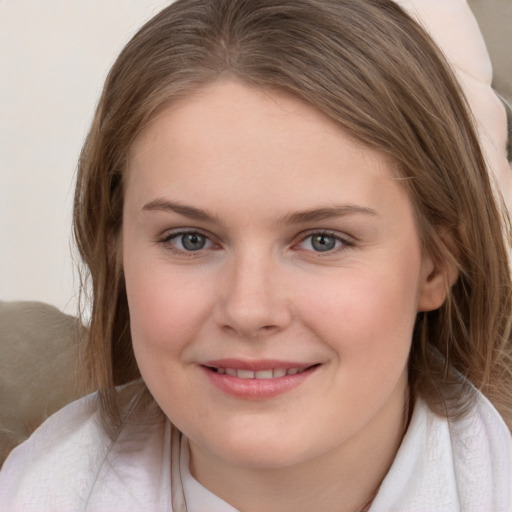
(70, 465)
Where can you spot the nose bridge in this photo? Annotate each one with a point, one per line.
(252, 301)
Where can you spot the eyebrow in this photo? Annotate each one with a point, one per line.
(299, 217)
(191, 212)
(317, 214)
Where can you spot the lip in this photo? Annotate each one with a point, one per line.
(257, 388)
(256, 365)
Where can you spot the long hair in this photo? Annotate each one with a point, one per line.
(375, 72)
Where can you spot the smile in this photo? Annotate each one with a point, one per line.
(257, 380)
(274, 373)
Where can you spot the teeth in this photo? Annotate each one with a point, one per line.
(260, 374)
(264, 374)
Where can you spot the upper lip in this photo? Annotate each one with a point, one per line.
(256, 365)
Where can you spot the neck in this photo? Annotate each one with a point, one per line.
(344, 479)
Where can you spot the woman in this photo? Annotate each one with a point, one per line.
(297, 261)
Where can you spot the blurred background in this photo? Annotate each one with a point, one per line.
(495, 20)
(54, 56)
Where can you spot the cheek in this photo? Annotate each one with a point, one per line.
(366, 317)
(165, 307)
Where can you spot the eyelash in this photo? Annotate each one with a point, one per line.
(343, 242)
(168, 238)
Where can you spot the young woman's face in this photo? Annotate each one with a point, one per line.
(274, 271)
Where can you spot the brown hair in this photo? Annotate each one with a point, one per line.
(376, 73)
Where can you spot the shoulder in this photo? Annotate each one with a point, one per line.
(43, 466)
(482, 457)
(71, 463)
(445, 465)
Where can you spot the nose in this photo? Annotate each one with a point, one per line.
(253, 300)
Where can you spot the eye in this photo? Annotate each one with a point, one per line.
(189, 241)
(323, 242)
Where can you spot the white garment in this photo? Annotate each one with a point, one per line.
(70, 465)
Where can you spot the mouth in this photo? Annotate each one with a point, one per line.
(271, 373)
(257, 380)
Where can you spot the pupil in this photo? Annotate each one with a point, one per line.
(323, 243)
(193, 241)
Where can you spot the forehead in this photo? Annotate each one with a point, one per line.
(242, 105)
(261, 144)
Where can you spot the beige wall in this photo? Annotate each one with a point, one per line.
(495, 20)
(53, 59)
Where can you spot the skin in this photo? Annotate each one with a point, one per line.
(259, 289)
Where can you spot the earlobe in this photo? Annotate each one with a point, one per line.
(436, 282)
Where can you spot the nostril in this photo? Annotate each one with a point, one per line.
(253, 314)
(264, 329)
(229, 329)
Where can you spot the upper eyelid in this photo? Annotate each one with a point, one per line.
(347, 242)
(165, 241)
(304, 234)
(344, 237)
(169, 234)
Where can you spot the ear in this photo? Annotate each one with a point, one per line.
(436, 280)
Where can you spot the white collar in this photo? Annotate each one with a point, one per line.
(441, 466)
(197, 497)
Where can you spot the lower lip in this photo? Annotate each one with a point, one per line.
(257, 389)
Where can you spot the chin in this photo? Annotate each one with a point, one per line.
(264, 448)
